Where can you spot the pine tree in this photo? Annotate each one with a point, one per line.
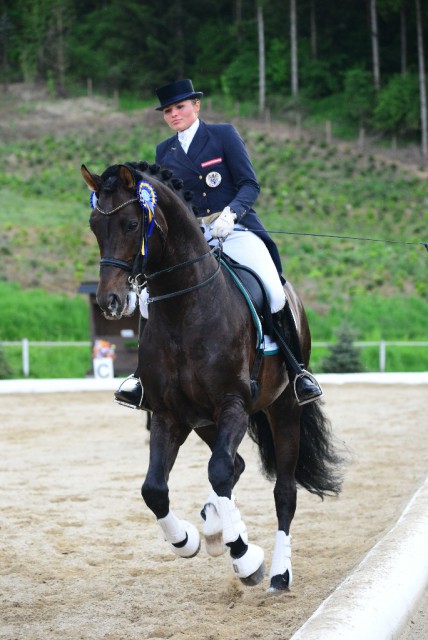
(344, 357)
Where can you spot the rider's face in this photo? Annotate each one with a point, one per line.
(181, 115)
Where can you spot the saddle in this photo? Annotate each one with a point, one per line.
(253, 289)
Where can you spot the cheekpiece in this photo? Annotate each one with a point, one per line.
(93, 199)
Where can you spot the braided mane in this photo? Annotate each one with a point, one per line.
(164, 175)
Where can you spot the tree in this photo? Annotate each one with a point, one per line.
(396, 110)
(343, 356)
(313, 23)
(5, 28)
(359, 95)
(293, 44)
(422, 79)
(262, 67)
(375, 44)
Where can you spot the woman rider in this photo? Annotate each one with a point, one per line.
(213, 163)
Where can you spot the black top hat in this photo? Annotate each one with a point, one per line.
(176, 92)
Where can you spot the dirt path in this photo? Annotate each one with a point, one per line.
(82, 558)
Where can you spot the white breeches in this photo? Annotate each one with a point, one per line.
(248, 249)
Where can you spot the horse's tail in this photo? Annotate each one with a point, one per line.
(319, 464)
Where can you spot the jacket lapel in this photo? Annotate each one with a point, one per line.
(198, 143)
(176, 150)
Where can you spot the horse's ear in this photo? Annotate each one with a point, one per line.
(92, 180)
(127, 177)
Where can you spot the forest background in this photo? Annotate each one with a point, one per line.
(329, 97)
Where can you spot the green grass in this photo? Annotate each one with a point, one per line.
(50, 362)
(309, 189)
(398, 358)
(41, 316)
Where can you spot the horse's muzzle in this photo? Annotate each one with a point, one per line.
(114, 308)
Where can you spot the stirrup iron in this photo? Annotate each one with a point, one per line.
(304, 373)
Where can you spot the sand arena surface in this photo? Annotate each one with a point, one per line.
(81, 557)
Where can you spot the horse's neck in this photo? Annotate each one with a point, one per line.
(184, 240)
(184, 261)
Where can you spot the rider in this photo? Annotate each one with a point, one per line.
(214, 164)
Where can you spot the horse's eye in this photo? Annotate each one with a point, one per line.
(132, 226)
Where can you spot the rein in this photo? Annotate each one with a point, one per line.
(180, 265)
(181, 292)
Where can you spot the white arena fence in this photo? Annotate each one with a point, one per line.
(25, 345)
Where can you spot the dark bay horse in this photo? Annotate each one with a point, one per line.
(196, 354)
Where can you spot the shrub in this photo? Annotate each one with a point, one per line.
(397, 108)
(5, 368)
(343, 356)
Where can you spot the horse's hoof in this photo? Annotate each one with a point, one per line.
(215, 546)
(250, 568)
(256, 577)
(213, 531)
(191, 545)
(280, 583)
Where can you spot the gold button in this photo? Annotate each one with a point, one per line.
(200, 177)
(205, 195)
(208, 210)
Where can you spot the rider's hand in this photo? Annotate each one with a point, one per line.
(224, 224)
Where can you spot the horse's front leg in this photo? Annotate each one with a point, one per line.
(165, 440)
(212, 527)
(247, 559)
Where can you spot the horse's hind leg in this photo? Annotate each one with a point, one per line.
(286, 439)
(165, 441)
(247, 558)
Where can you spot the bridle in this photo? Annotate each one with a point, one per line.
(137, 269)
(140, 260)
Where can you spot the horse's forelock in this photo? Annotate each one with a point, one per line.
(110, 178)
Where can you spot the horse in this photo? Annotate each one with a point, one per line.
(196, 356)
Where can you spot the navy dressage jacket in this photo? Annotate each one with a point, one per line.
(218, 170)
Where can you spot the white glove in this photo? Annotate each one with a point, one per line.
(224, 224)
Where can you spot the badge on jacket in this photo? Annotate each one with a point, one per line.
(213, 179)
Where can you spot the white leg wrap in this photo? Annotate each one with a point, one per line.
(233, 526)
(176, 531)
(281, 559)
(213, 527)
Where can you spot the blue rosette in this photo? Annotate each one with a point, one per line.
(147, 198)
(93, 199)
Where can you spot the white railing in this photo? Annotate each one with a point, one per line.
(382, 344)
(25, 345)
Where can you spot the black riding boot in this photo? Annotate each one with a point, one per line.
(134, 397)
(306, 388)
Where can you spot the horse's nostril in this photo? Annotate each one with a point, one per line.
(113, 303)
